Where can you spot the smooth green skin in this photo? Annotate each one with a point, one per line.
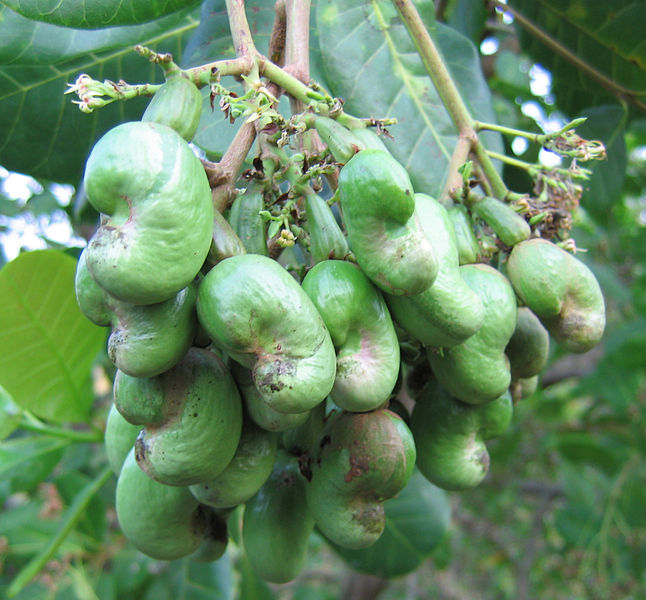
(201, 425)
(277, 525)
(326, 238)
(448, 312)
(246, 221)
(258, 410)
(477, 370)
(465, 238)
(341, 142)
(450, 436)
(119, 438)
(506, 223)
(529, 346)
(383, 229)
(224, 242)
(256, 312)
(140, 400)
(248, 470)
(562, 292)
(362, 460)
(145, 340)
(162, 521)
(362, 331)
(177, 104)
(157, 218)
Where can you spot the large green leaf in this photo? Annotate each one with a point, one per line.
(372, 64)
(416, 522)
(19, 454)
(41, 132)
(606, 37)
(46, 345)
(90, 14)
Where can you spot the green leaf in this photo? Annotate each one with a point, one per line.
(93, 520)
(606, 37)
(416, 522)
(604, 188)
(9, 414)
(372, 64)
(89, 14)
(468, 18)
(46, 345)
(42, 133)
(22, 454)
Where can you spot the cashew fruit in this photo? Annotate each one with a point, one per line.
(506, 223)
(249, 468)
(362, 459)
(529, 346)
(176, 104)
(157, 212)
(383, 229)
(326, 238)
(562, 292)
(119, 438)
(145, 340)
(300, 441)
(450, 436)
(477, 370)
(246, 221)
(341, 142)
(196, 419)
(164, 522)
(216, 537)
(255, 311)
(261, 413)
(224, 242)
(276, 523)
(523, 387)
(465, 238)
(362, 331)
(448, 312)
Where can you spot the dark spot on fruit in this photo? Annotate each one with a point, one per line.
(325, 441)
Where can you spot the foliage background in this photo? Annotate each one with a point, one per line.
(561, 514)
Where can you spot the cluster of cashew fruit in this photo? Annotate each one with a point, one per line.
(241, 383)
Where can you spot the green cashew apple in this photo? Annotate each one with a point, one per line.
(362, 460)
(383, 228)
(529, 346)
(477, 370)
(157, 212)
(341, 142)
(276, 523)
(465, 238)
(249, 468)
(562, 292)
(326, 238)
(164, 522)
(261, 413)
(246, 221)
(450, 436)
(145, 340)
(523, 387)
(224, 242)
(362, 331)
(302, 440)
(448, 312)
(119, 438)
(506, 223)
(255, 311)
(196, 419)
(176, 104)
